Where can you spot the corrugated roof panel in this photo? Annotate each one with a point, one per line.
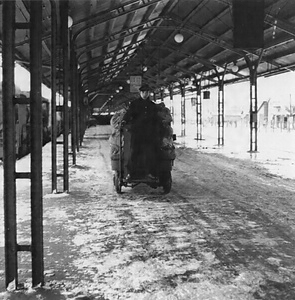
(127, 40)
(104, 31)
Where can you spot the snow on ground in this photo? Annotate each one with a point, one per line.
(124, 248)
(275, 151)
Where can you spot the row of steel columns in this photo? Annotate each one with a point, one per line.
(9, 153)
(199, 123)
(77, 121)
(220, 117)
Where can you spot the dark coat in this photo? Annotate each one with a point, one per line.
(142, 116)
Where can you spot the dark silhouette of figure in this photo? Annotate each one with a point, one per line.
(142, 117)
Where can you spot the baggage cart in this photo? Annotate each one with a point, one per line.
(164, 164)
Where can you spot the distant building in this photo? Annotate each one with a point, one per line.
(283, 117)
(229, 120)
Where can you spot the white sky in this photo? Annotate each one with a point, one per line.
(22, 80)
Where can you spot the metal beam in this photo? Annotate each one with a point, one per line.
(53, 97)
(65, 54)
(9, 187)
(36, 143)
(253, 103)
(114, 13)
(282, 25)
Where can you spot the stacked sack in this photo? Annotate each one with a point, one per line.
(116, 121)
(167, 149)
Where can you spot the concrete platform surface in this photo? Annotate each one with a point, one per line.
(225, 231)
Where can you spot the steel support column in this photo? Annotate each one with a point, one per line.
(253, 111)
(79, 93)
(36, 142)
(220, 120)
(220, 114)
(81, 116)
(76, 107)
(171, 103)
(84, 115)
(199, 112)
(53, 97)
(253, 102)
(77, 111)
(8, 40)
(182, 112)
(65, 54)
(73, 67)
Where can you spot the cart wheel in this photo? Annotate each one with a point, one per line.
(117, 182)
(166, 181)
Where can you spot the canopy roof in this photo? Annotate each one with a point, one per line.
(116, 39)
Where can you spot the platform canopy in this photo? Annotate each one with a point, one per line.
(166, 43)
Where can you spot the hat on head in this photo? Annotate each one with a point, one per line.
(145, 87)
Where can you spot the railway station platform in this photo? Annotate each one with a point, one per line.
(219, 234)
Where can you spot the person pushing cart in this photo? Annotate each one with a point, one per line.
(143, 151)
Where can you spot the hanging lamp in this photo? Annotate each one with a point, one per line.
(178, 38)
